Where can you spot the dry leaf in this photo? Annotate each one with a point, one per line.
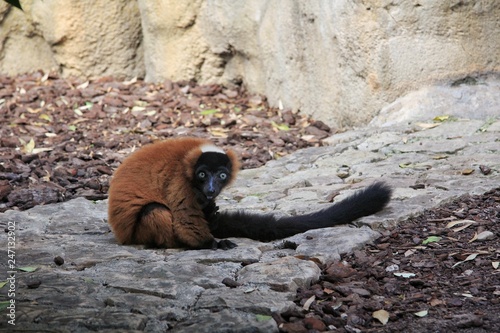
(46, 178)
(45, 117)
(427, 125)
(435, 302)
(381, 315)
(422, 313)
(79, 120)
(473, 237)
(218, 132)
(308, 138)
(328, 291)
(31, 110)
(418, 166)
(495, 264)
(410, 252)
(138, 108)
(39, 150)
(439, 157)
(28, 147)
(308, 303)
(83, 85)
(451, 218)
(467, 223)
(470, 257)
(132, 81)
(405, 275)
(64, 100)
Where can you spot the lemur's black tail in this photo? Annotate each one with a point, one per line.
(266, 227)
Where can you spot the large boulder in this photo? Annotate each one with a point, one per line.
(342, 61)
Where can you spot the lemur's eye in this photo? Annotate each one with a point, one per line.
(223, 176)
(202, 174)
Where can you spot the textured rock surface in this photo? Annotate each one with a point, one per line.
(328, 59)
(175, 47)
(74, 38)
(340, 61)
(102, 285)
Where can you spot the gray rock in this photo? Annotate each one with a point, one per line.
(226, 321)
(286, 274)
(485, 235)
(245, 299)
(329, 243)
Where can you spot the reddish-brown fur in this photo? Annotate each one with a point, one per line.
(160, 173)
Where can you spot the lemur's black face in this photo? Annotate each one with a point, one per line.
(211, 173)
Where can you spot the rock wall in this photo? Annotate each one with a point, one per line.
(72, 37)
(339, 61)
(175, 47)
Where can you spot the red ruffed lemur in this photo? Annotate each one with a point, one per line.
(163, 195)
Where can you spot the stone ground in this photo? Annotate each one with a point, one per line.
(72, 276)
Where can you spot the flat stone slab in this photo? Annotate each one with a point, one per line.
(105, 286)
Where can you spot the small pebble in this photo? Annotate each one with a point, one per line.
(33, 284)
(485, 235)
(228, 282)
(392, 268)
(59, 260)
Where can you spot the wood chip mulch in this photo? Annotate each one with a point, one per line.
(437, 272)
